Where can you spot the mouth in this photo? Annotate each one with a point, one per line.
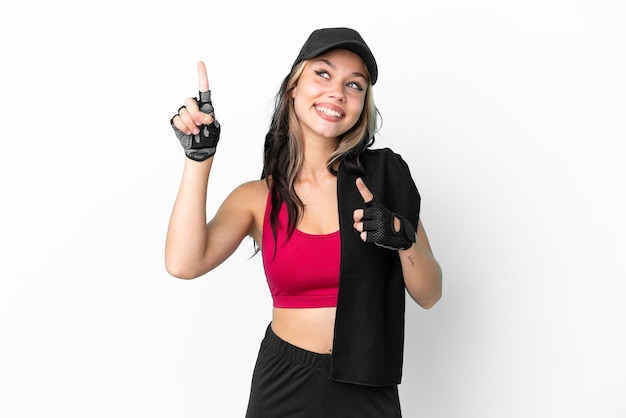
(329, 112)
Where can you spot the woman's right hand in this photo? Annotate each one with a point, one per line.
(195, 125)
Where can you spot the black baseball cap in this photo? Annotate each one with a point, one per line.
(322, 40)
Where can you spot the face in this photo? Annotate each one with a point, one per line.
(330, 93)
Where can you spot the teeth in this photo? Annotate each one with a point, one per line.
(328, 112)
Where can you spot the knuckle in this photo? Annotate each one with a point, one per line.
(191, 103)
(180, 124)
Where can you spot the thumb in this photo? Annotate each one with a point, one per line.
(365, 192)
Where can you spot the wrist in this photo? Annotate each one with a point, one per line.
(198, 167)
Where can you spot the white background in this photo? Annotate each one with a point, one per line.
(510, 114)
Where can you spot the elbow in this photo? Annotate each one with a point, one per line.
(179, 273)
(428, 296)
(430, 302)
(426, 301)
(180, 270)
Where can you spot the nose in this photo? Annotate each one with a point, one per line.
(337, 91)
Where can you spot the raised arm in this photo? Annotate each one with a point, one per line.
(193, 247)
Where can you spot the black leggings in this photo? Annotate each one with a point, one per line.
(289, 382)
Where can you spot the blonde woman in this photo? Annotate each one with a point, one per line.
(337, 224)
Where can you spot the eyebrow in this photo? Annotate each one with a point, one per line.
(331, 65)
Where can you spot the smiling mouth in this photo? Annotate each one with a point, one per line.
(328, 112)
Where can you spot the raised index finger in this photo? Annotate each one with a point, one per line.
(203, 80)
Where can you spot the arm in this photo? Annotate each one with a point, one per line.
(194, 247)
(421, 271)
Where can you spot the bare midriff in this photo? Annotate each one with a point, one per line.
(311, 329)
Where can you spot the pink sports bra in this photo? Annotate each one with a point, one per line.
(304, 273)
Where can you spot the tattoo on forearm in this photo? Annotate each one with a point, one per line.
(412, 260)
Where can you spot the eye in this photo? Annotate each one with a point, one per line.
(355, 85)
(322, 73)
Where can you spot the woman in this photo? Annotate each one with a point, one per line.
(338, 227)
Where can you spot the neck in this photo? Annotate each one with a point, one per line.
(316, 155)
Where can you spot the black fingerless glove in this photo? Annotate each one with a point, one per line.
(202, 146)
(378, 221)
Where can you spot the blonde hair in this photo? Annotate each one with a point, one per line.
(284, 152)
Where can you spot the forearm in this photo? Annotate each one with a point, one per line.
(422, 274)
(186, 240)
(375, 223)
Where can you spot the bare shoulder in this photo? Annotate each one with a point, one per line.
(251, 193)
(247, 201)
